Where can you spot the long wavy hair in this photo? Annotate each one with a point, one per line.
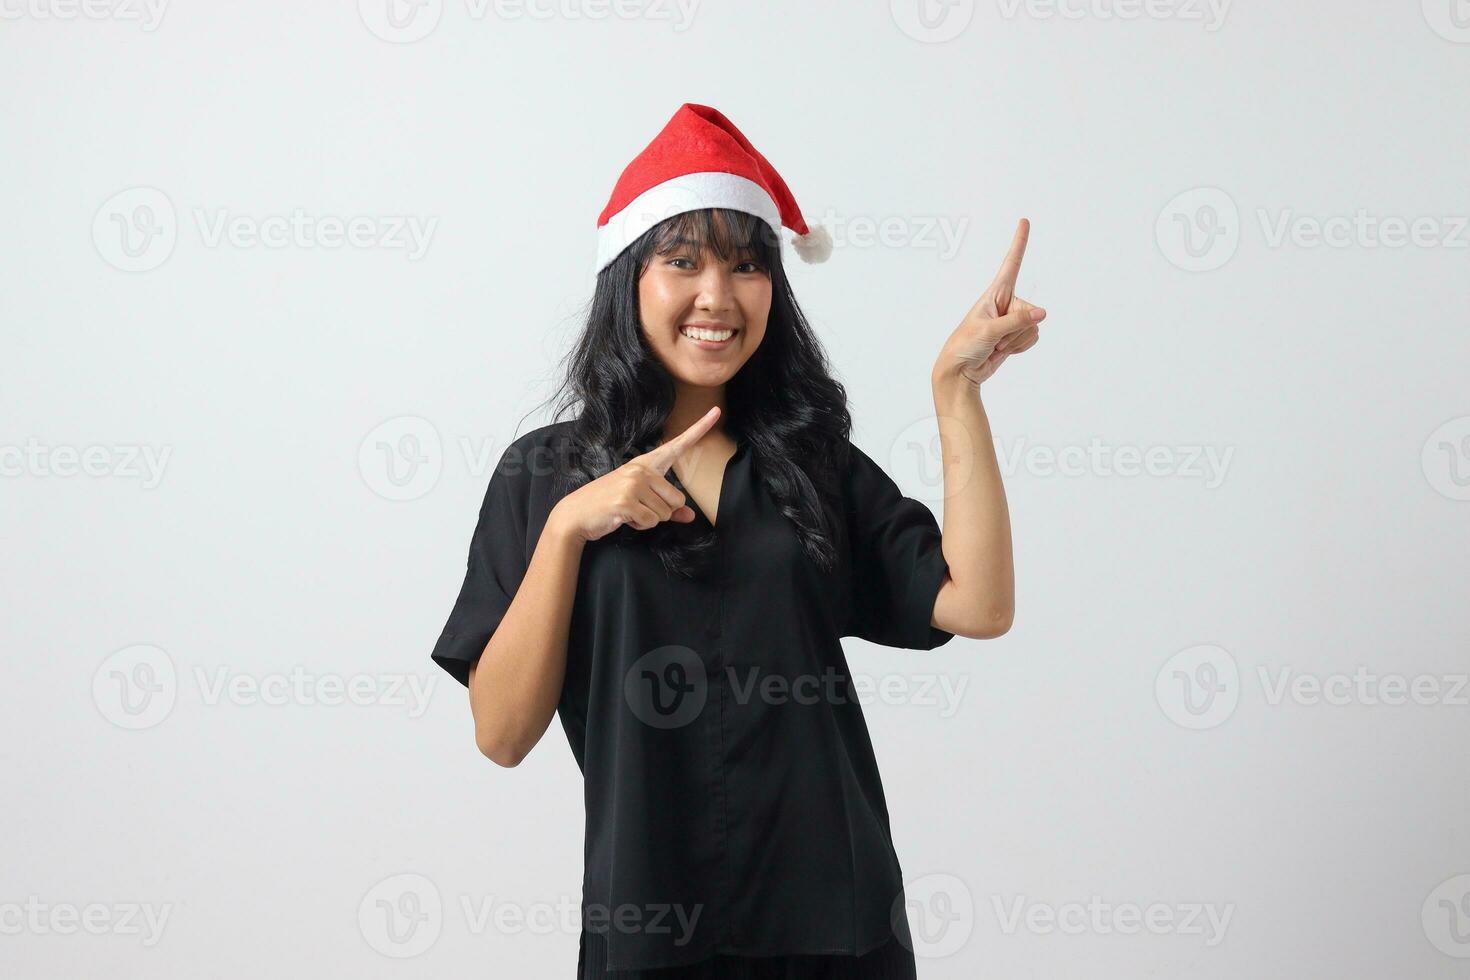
(783, 402)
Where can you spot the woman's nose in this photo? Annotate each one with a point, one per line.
(716, 287)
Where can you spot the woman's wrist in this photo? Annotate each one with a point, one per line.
(952, 389)
(559, 530)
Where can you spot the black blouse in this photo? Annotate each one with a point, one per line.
(733, 801)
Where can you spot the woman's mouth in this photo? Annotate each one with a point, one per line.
(708, 338)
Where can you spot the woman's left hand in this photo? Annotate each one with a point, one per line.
(998, 325)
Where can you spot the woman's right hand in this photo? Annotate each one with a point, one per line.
(635, 493)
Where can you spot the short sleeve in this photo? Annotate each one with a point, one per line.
(898, 562)
(493, 571)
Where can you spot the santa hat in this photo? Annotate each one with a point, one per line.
(700, 160)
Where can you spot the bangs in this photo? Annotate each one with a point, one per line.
(719, 231)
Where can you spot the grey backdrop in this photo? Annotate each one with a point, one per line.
(278, 282)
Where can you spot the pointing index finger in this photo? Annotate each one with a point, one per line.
(1005, 280)
(663, 456)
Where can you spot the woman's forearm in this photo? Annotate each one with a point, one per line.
(517, 682)
(978, 599)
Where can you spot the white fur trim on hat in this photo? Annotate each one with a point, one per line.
(689, 192)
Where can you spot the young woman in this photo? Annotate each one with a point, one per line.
(672, 569)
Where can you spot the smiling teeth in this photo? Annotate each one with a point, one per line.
(699, 333)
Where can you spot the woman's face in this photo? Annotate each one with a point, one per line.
(689, 299)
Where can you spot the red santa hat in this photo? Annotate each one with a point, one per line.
(700, 160)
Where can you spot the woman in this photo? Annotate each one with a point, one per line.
(671, 571)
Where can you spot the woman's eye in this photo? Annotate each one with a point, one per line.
(750, 266)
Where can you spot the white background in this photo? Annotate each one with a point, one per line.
(285, 836)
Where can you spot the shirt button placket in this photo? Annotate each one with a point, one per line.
(713, 633)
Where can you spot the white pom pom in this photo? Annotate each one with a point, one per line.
(815, 245)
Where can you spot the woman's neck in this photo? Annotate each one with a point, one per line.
(690, 404)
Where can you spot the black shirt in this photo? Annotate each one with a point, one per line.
(733, 801)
